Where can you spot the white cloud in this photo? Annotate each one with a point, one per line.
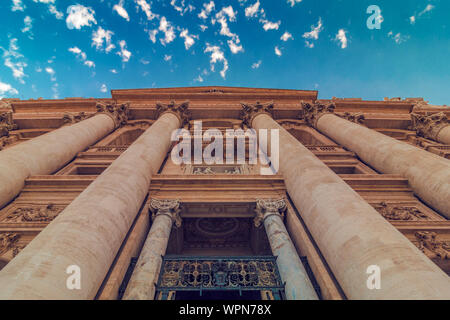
(313, 34)
(101, 39)
(28, 25)
(58, 14)
(412, 19)
(278, 52)
(124, 53)
(104, 88)
(82, 56)
(18, 6)
(293, 2)
(146, 8)
(13, 59)
(207, 9)
(256, 65)
(6, 88)
(199, 79)
(169, 33)
(342, 37)
(182, 8)
(267, 25)
(286, 36)
(52, 73)
(121, 11)
(398, 38)
(167, 57)
(114, 71)
(152, 35)
(428, 8)
(188, 39)
(235, 47)
(203, 27)
(79, 16)
(252, 10)
(217, 55)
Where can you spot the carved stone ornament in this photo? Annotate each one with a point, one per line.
(312, 112)
(354, 117)
(436, 248)
(268, 207)
(6, 123)
(9, 241)
(33, 214)
(71, 118)
(400, 213)
(429, 126)
(250, 111)
(120, 113)
(170, 208)
(180, 110)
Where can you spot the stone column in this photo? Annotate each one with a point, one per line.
(48, 153)
(292, 271)
(435, 127)
(351, 235)
(145, 275)
(428, 174)
(90, 231)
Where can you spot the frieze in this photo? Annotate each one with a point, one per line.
(33, 214)
(430, 244)
(400, 213)
(71, 118)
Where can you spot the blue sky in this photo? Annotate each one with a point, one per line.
(84, 48)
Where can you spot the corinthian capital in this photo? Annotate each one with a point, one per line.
(170, 208)
(180, 110)
(429, 126)
(120, 113)
(250, 111)
(312, 112)
(6, 123)
(268, 207)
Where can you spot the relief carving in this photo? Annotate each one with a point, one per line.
(6, 123)
(33, 214)
(429, 244)
(311, 112)
(429, 126)
(400, 213)
(267, 207)
(9, 241)
(120, 113)
(249, 111)
(353, 117)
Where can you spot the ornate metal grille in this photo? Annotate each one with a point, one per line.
(219, 273)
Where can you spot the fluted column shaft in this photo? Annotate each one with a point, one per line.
(145, 275)
(428, 174)
(297, 283)
(47, 153)
(90, 231)
(351, 235)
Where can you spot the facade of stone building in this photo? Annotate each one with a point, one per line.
(93, 205)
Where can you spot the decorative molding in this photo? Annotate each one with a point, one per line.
(429, 244)
(312, 112)
(71, 118)
(429, 126)
(268, 207)
(170, 208)
(120, 113)
(6, 123)
(9, 241)
(399, 213)
(180, 110)
(250, 111)
(358, 117)
(33, 214)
